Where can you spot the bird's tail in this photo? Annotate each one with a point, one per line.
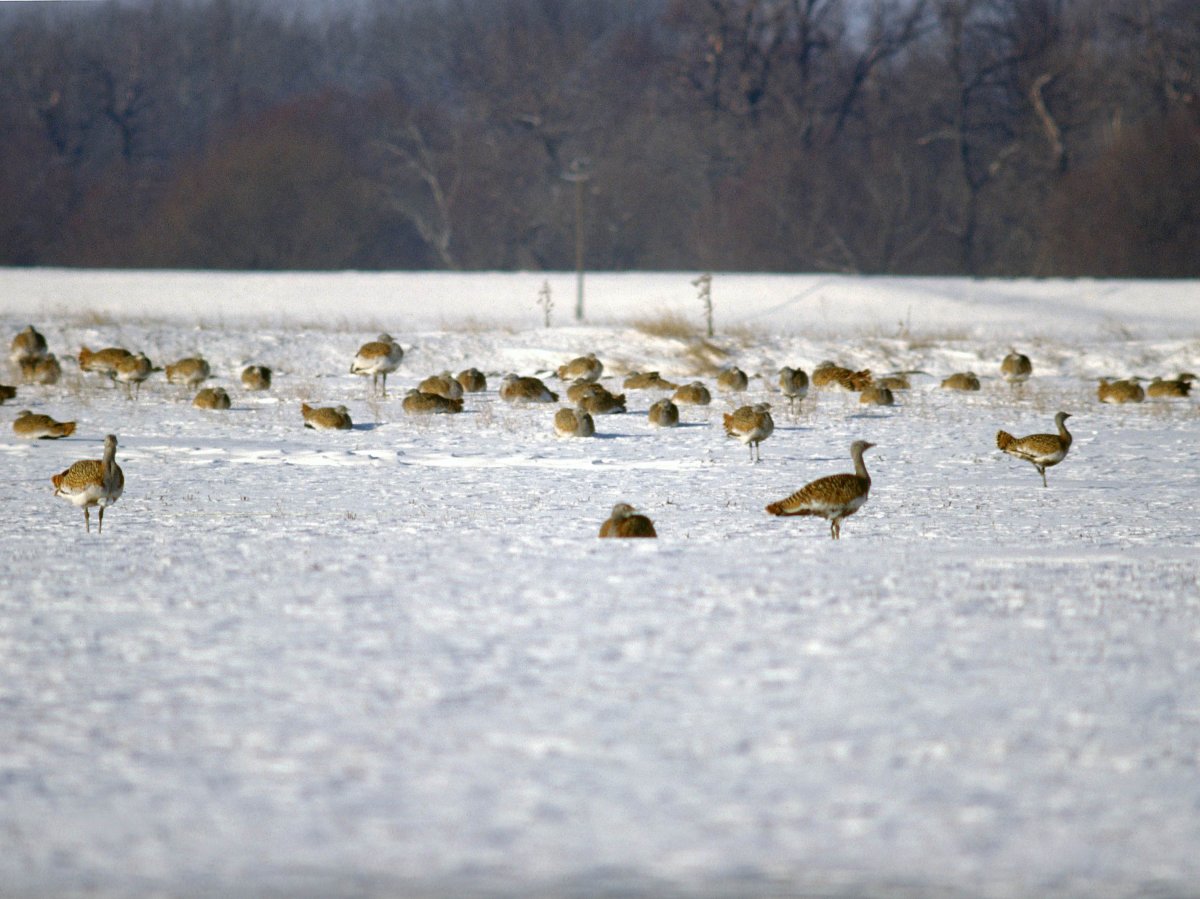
(1004, 440)
(781, 508)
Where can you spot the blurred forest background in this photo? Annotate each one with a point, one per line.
(980, 137)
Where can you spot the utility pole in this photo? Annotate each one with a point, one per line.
(580, 171)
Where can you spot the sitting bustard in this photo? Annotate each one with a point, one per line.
(1040, 450)
(834, 497)
(92, 482)
(625, 522)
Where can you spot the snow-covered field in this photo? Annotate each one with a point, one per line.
(396, 661)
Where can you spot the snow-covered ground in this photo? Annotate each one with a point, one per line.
(396, 661)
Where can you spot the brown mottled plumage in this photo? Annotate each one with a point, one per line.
(751, 425)
(893, 382)
(212, 398)
(41, 371)
(377, 358)
(834, 497)
(102, 362)
(443, 385)
(190, 372)
(417, 402)
(647, 380)
(694, 394)
(472, 380)
(827, 374)
(625, 522)
(732, 379)
(574, 423)
(963, 380)
(7, 392)
(256, 377)
(514, 389)
(28, 345)
(326, 418)
(92, 482)
(585, 368)
(877, 396)
(599, 401)
(664, 414)
(1040, 450)
(1125, 391)
(132, 371)
(1175, 387)
(794, 384)
(1016, 368)
(41, 427)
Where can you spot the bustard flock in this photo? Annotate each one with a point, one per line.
(100, 482)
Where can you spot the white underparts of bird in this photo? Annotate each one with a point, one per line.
(834, 497)
(378, 358)
(751, 425)
(92, 482)
(1040, 450)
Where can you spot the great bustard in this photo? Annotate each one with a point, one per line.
(876, 395)
(443, 385)
(514, 389)
(1173, 387)
(41, 371)
(28, 345)
(472, 380)
(693, 394)
(834, 497)
(962, 380)
(132, 371)
(1016, 368)
(664, 414)
(586, 368)
(626, 522)
(599, 401)
(190, 372)
(256, 377)
(326, 418)
(794, 384)
(377, 358)
(1040, 450)
(212, 398)
(92, 482)
(417, 402)
(41, 427)
(647, 380)
(828, 374)
(102, 362)
(733, 379)
(574, 423)
(751, 425)
(1124, 391)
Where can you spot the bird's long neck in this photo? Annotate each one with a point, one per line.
(860, 467)
(1063, 434)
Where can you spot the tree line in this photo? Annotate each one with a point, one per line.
(978, 137)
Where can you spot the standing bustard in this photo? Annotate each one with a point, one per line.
(380, 356)
(28, 346)
(834, 497)
(1040, 450)
(794, 384)
(751, 425)
(625, 522)
(92, 482)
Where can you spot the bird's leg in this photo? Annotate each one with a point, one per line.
(87, 519)
(385, 385)
(100, 527)
(1042, 472)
